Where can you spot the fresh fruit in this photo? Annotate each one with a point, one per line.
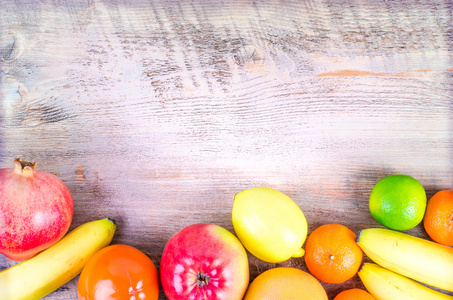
(35, 210)
(332, 254)
(354, 294)
(422, 260)
(384, 284)
(269, 224)
(119, 272)
(438, 221)
(204, 261)
(398, 202)
(55, 266)
(285, 283)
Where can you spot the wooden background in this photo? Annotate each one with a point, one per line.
(155, 113)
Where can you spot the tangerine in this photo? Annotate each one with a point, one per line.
(285, 283)
(332, 254)
(354, 294)
(438, 220)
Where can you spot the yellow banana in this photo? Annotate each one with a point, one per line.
(48, 270)
(422, 260)
(384, 284)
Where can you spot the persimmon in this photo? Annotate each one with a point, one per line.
(119, 272)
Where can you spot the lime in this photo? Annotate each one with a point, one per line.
(398, 202)
(269, 224)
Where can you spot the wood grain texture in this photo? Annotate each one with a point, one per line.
(155, 113)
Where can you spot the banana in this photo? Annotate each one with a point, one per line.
(384, 284)
(422, 260)
(48, 270)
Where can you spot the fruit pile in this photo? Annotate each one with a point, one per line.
(206, 261)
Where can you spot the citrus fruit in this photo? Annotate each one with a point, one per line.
(354, 294)
(398, 202)
(438, 219)
(269, 224)
(332, 254)
(285, 283)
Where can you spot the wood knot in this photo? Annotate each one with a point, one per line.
(248, 54)
(251, 58)
(11, 47)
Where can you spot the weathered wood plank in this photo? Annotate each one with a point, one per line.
(156, 113)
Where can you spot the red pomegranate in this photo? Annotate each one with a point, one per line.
(36, 210)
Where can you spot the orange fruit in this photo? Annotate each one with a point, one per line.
(354, 294)
(285, 283)
(332, 254)
(438, 219)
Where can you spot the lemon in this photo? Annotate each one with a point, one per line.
(269, 224)
(398, 202)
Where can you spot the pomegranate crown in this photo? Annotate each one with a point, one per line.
(23, 165)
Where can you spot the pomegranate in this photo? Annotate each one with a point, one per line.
(36, 210)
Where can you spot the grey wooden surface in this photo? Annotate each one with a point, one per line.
(155, 113)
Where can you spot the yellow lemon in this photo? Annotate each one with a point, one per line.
(269, 224)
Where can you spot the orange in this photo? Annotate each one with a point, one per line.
(332, 254)
(285, 283)
(354, 294)
(438, 219)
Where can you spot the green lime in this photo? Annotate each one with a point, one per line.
(398, 202)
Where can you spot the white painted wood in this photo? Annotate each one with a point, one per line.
(156, 113)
